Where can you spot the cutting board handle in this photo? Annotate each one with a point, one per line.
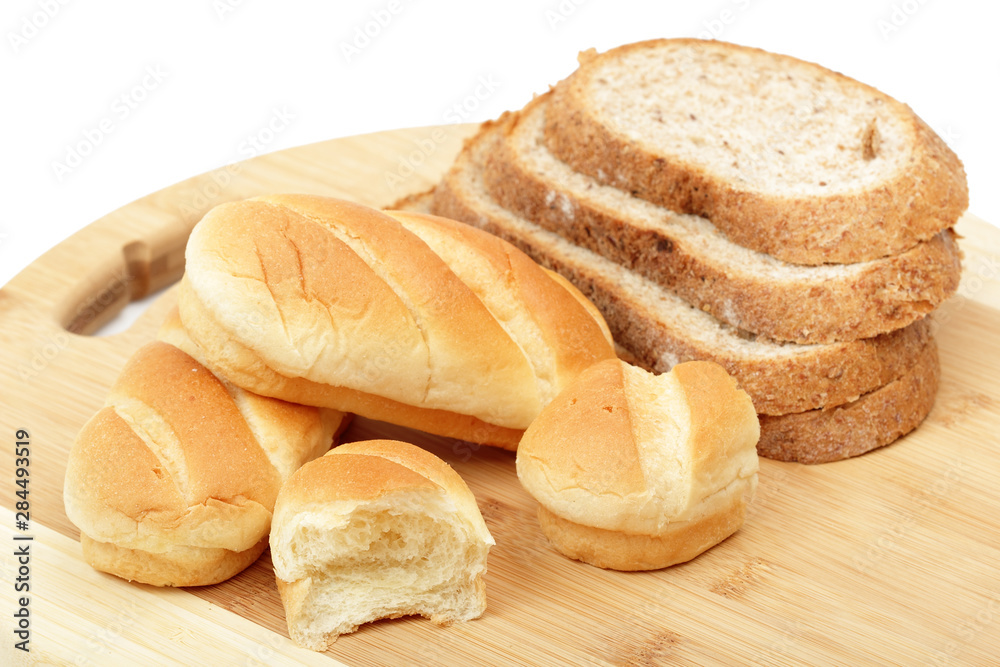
(84, 281)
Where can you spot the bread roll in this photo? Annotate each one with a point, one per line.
(377, 529)
(637, 472)
(173, 481)
(402, 317)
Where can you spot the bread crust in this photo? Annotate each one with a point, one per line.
(352, 476)
(615, 550)
(819, 376)
(169, 483)
(913, 204)
(636, 472)
(178, 566)
(874, 420)
(244, 367)
(763, 296)
(326, 302)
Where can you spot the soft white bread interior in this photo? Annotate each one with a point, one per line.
(173, 481)
(376, 529)
(634, 471)
(402, 317)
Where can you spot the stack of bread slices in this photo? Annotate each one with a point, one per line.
(723, 203)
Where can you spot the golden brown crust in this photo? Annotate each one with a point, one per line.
(887, 294)
(318, 556)
(169, 483)
(917, 203)
(369, 469)
(825, 375)
(245, 368)
(180, 566)
(325, 302)
(616, 550)
(874, 420)
(634, 471)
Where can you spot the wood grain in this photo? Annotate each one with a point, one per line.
(890, 558)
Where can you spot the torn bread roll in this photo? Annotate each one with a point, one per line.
(376, 529)
(634, 471)
(402, 317)
(173, 481)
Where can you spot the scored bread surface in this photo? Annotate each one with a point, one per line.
(783, 156)
(688, 255)
(305, 293)
(635, 471)
(169, 482)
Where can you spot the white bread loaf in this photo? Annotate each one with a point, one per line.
(376, 529)
(173, 481)
(401, 317)
(783, 156)
(634, 471)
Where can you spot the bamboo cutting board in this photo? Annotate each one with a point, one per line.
(890, 558)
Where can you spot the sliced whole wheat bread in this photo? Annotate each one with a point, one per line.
(783, 156)
(688, 255)
(870, 422)
(660, 329)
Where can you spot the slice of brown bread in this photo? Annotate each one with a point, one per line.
(688, 255)
(784, 156)
(660, 329)
(870, 422)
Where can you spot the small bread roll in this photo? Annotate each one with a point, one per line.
(634, 471)
(376, 529)
(173, 481)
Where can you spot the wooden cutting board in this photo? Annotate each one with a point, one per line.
(890, 558)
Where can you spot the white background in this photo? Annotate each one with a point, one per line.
(225, 68)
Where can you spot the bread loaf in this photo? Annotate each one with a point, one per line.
(634, 471)
(173, 481)
(783, 156)
(376, 529)
(689, 256)
(410, 319)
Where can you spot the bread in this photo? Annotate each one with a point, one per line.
(872, 421)
(409, 319)
(661, 330)
(376, 529)
(634, 471)
(173, 481)
(688, 255)
(783, 156)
